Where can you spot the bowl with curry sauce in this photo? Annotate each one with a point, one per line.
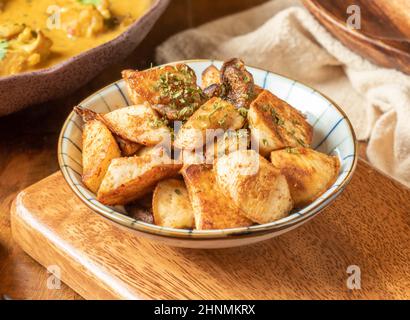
(49, 48)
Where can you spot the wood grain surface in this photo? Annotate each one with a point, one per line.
(28, 144)
(384, 34)
(100, 260)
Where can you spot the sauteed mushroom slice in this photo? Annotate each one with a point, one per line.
(214, 90)
(238, 83)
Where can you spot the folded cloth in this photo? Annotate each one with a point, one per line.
(282, 36)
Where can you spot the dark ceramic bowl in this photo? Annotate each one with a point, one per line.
(24, 89)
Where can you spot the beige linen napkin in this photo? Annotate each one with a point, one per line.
(283, 37)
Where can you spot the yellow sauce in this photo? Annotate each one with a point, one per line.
(37, 14)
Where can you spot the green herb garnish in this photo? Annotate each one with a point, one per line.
(243, 112)
(3, 48)
(93, 2)
(292, 150)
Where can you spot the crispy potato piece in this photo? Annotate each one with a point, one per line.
(128, 179)
(99, 148)
(139, 124)
(254, 185)
(210, 76)
(212, 209)
(231, 141)
(157, 150)
(128, 148)
(309, 173)
(275, 124)
(214, 114)
(166, 88)
(171, 205)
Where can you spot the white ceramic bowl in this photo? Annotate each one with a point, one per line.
(333, 134)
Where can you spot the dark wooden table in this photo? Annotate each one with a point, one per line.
(29, 140)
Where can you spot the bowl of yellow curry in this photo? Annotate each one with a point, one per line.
(49, 48)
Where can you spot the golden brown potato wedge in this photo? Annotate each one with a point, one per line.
(139, 124)
(171, 205)
(254, 185)
(128, 148)
(212, 209)
(99, 148)
(171, 90)
(210, 75)
(275, 124)
(158, 150)
(214, 114)
(128, 179)
(309, 173)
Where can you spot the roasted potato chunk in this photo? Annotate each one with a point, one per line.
(254, 185)
(157, 150)
(214, 114)
(171, 90)
(128, 148)
(210, 76)
(309, 173)
(212, 210)
(171, 205)
(139, 124)
(128, 179)
(99, 148)
(275, 124)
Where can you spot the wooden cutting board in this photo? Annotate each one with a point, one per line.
(384, 34)
(367, 226)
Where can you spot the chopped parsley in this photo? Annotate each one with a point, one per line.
(292, 150)
(178, 192)
(3, 48)
(93, 2)
(177, 88)
(157, 123)
(243, 112)
(216, 106)
(222, 121)
(277, 119)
